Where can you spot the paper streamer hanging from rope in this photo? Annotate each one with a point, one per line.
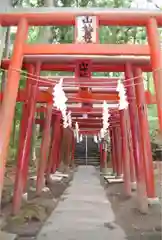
(95, 139)
(77, 132)
(105, 119)
(59, 101)
(69, 119)
(81, 138)
(123, 103)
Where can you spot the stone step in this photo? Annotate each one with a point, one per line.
(89, 161)
(88, 164)
(84, 160)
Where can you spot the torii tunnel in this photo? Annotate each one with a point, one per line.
(129, 130)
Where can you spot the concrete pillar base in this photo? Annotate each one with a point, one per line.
(105, 171)
(153, 201)
(133, 186)
(25, 197)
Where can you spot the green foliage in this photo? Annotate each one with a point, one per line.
(33, 34)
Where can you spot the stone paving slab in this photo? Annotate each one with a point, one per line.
(7, 236)
(84, 213)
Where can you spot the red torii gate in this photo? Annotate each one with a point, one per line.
(149, 19)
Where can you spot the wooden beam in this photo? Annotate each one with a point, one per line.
(97, 82)
(86, 49)
(44, 97)
(70, 67)
(66, 16)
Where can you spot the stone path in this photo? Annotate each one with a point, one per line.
(84, 213)
(7, 236)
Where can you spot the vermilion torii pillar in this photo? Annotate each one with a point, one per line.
(156, 61)
(131, 156)
(113, 149)
(21, 161)
(60, 133)
(112, 153)
(71, 146)
(125, 153)
(118, 150)
(23, 129)
(58, 144)
(23, 156)
(68, 147)
(144, 133)
(134, 124)
(51, 167)
(73, 150)
(10, 94)
(44, 149)
(50, 159)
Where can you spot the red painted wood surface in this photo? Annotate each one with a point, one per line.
(9, 98)
(44, 149)
(125, 153)
(70, 67)
(144, 134)
(154, 40)
(62, 18)
(23, 160)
